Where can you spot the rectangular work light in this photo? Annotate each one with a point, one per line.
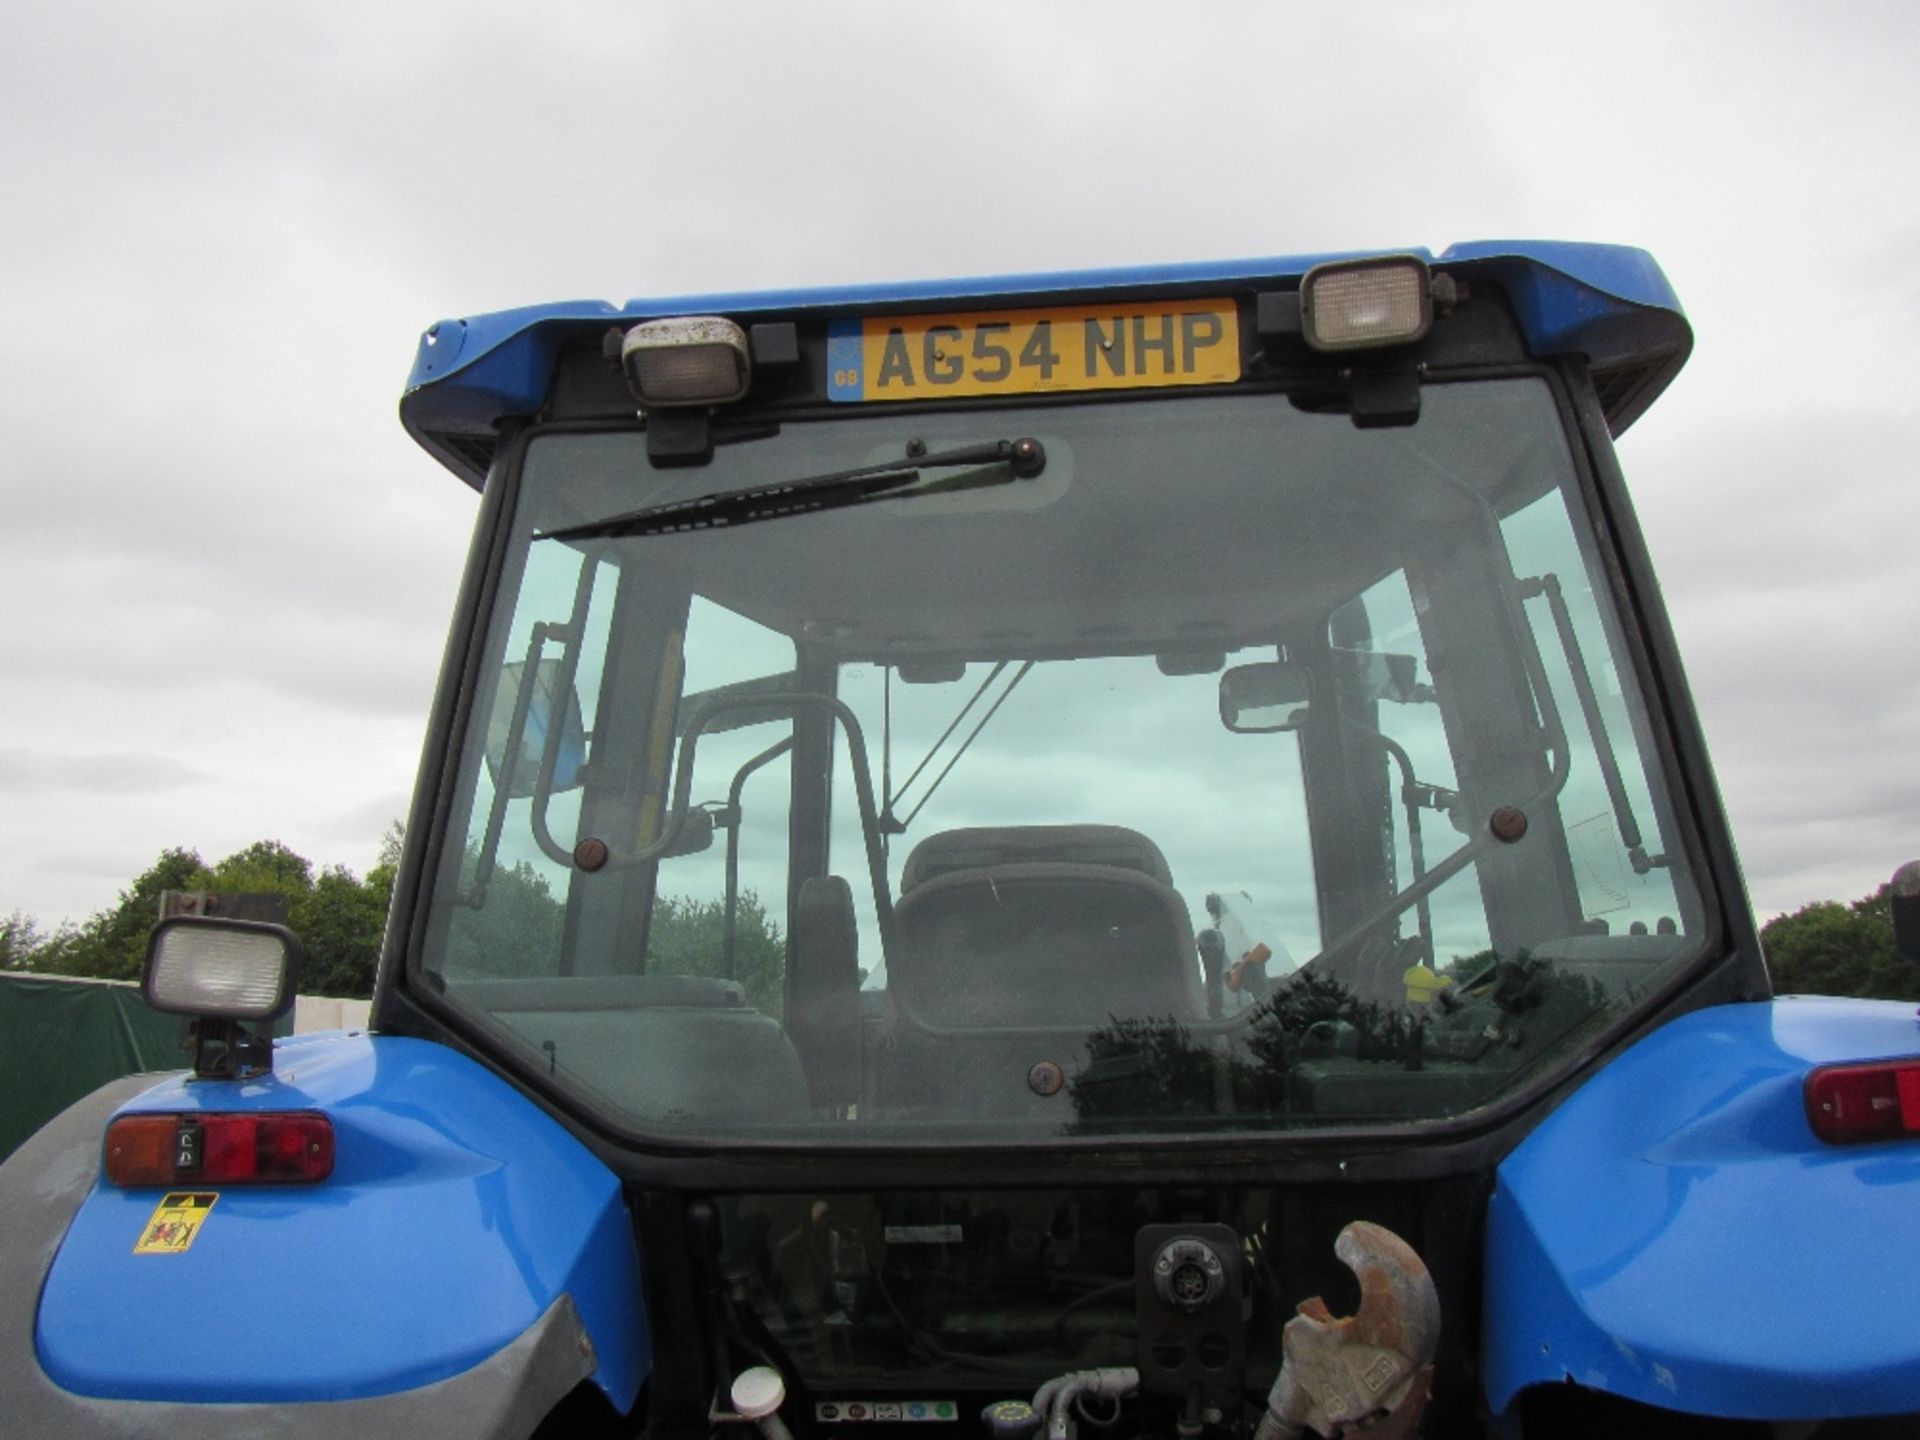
(693, 360)
(224, 969)
(1361, 304)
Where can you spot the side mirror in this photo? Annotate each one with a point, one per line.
(1382, 675)
(1904, 894)
(694, 835)
(543, 712)
(1265, 698)
(1175, 663)
(930, 672)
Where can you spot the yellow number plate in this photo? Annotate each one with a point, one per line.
(1027, 352)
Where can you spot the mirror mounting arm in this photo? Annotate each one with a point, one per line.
(567, 635)
(1547, 586)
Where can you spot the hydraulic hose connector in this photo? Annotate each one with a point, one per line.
(1054, 1400)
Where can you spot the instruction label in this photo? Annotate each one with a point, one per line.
(175, 1222)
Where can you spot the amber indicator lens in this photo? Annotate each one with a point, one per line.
(140, 1149)
(1878, 1101)
(276, 1149)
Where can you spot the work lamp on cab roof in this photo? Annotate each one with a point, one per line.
(693, 360)
(1361, 304)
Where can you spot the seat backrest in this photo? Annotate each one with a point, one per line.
(1052, 944)
(983, 847)
(823, 1018)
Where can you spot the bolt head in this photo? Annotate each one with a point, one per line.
(1508, 823)
(1046, 1078)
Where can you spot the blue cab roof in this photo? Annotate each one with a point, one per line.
(1608, 302)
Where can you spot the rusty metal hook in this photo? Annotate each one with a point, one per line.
(1367, 1373)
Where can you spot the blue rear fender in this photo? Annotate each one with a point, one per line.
(1676, 1234)
(458, 1213)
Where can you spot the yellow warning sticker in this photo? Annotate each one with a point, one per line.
(175, 1222)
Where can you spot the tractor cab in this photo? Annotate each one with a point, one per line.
(1163, 717)
(954, 790)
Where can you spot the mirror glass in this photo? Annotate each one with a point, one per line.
(694, 835)
(541, 711)
(1264, 698)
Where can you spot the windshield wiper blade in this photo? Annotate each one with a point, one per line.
(996, 462)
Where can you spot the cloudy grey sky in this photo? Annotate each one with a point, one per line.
(225, 571)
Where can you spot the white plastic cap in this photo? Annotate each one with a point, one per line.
(759, 1391)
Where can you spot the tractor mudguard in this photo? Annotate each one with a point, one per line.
(465, 1266)
(1676, 1234)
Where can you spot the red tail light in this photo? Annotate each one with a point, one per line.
(1877, 1101)
(237, 1149)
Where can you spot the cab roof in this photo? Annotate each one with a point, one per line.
(1611, 303)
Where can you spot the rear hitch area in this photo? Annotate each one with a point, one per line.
(1366, 1374)
(1221, 1345)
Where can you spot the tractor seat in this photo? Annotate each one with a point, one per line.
(1060, 926)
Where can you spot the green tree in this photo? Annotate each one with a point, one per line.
(514, 931)
(1877, 906)
(20, 942)
(264, 866)
(1833, 949)
(340, 920)
(113, 944)
(392, 841)
(688, 937)
(518, 929)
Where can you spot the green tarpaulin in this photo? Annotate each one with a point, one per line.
(62, 1038)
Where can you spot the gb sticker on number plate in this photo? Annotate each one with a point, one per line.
(175, 1222)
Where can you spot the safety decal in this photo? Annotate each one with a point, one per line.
(175, 1222)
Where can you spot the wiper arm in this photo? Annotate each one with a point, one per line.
(993, 463)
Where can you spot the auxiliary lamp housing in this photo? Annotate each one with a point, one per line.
(219, 969)
(692, 360)
(1366, 304)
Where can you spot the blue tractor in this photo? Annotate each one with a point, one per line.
(1117, 854)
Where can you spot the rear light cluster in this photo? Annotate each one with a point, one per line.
(235, 1149)
(1876, 1101)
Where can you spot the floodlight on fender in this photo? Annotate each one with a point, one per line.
(217, 968)
(1362, 304)
(694, 360)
